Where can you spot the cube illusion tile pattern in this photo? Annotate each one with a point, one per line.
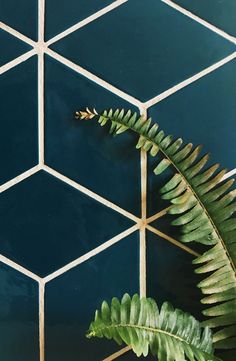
(71, 198)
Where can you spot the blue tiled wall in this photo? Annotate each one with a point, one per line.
(71, 197)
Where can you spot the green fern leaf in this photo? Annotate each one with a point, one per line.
(203, 205)
(170, 334)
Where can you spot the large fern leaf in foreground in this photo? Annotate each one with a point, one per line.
(169, 334)
(203, 207)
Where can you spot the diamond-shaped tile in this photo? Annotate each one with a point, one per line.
(18, 316)
(11, 47)
(220, 13)
(21, 16)
(61, 14)
(82, 150)
(72, 299)
(18, 124)
(45, 223)
(144, 48)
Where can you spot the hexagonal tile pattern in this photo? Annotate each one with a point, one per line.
(72, 299)
(72, 199)
(82, 150)
(51, 224)
(151, 52)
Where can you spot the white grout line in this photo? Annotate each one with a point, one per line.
(41, 47)
(117, 354)
(93, 77)
(91, 253)
(17, 34)
(172, 240)
(19, 268)
(20, 59)
(190, 80)
(42, 320)
(41, 108)
(91, 193)
(86, 21)
(19, 178)
(157, 215)
(41, 20)
(200, 20)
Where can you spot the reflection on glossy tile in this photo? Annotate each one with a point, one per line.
(219, 13)
(11, 47)
(83, 150)
(152, 50)
(22, 18)
(72, 299)
(18, 125)
(168, 265)
(204, 113)
(61, 14)
(18, 316)
(52, 223)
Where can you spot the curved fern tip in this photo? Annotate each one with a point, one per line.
(86, 114)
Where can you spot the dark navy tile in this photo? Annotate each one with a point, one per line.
(170, 276)
(61, 14)
(71, 301)
(18, 125)
(220, 13)
(46, 223)
(144, 48)
(204, 113)
(18, 316)
(11, 47)
(83, 150)
(23, 18)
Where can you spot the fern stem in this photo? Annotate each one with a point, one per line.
(115, 120)
(144, 328)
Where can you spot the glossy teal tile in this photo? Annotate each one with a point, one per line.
(52, 223)
(220, 13)
(18, 316)
(82, 150)
(168, 265)
(18, 124)
(61, 14)
(144, 48)
(23, 18)
(11, 47)
(71, 301)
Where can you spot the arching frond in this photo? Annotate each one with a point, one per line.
(170, 334)
(203, 206)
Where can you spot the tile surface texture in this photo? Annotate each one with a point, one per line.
(73, 200)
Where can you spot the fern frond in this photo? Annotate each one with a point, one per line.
(170, 334)
(203, 206)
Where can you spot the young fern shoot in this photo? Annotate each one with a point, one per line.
(203, 205)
